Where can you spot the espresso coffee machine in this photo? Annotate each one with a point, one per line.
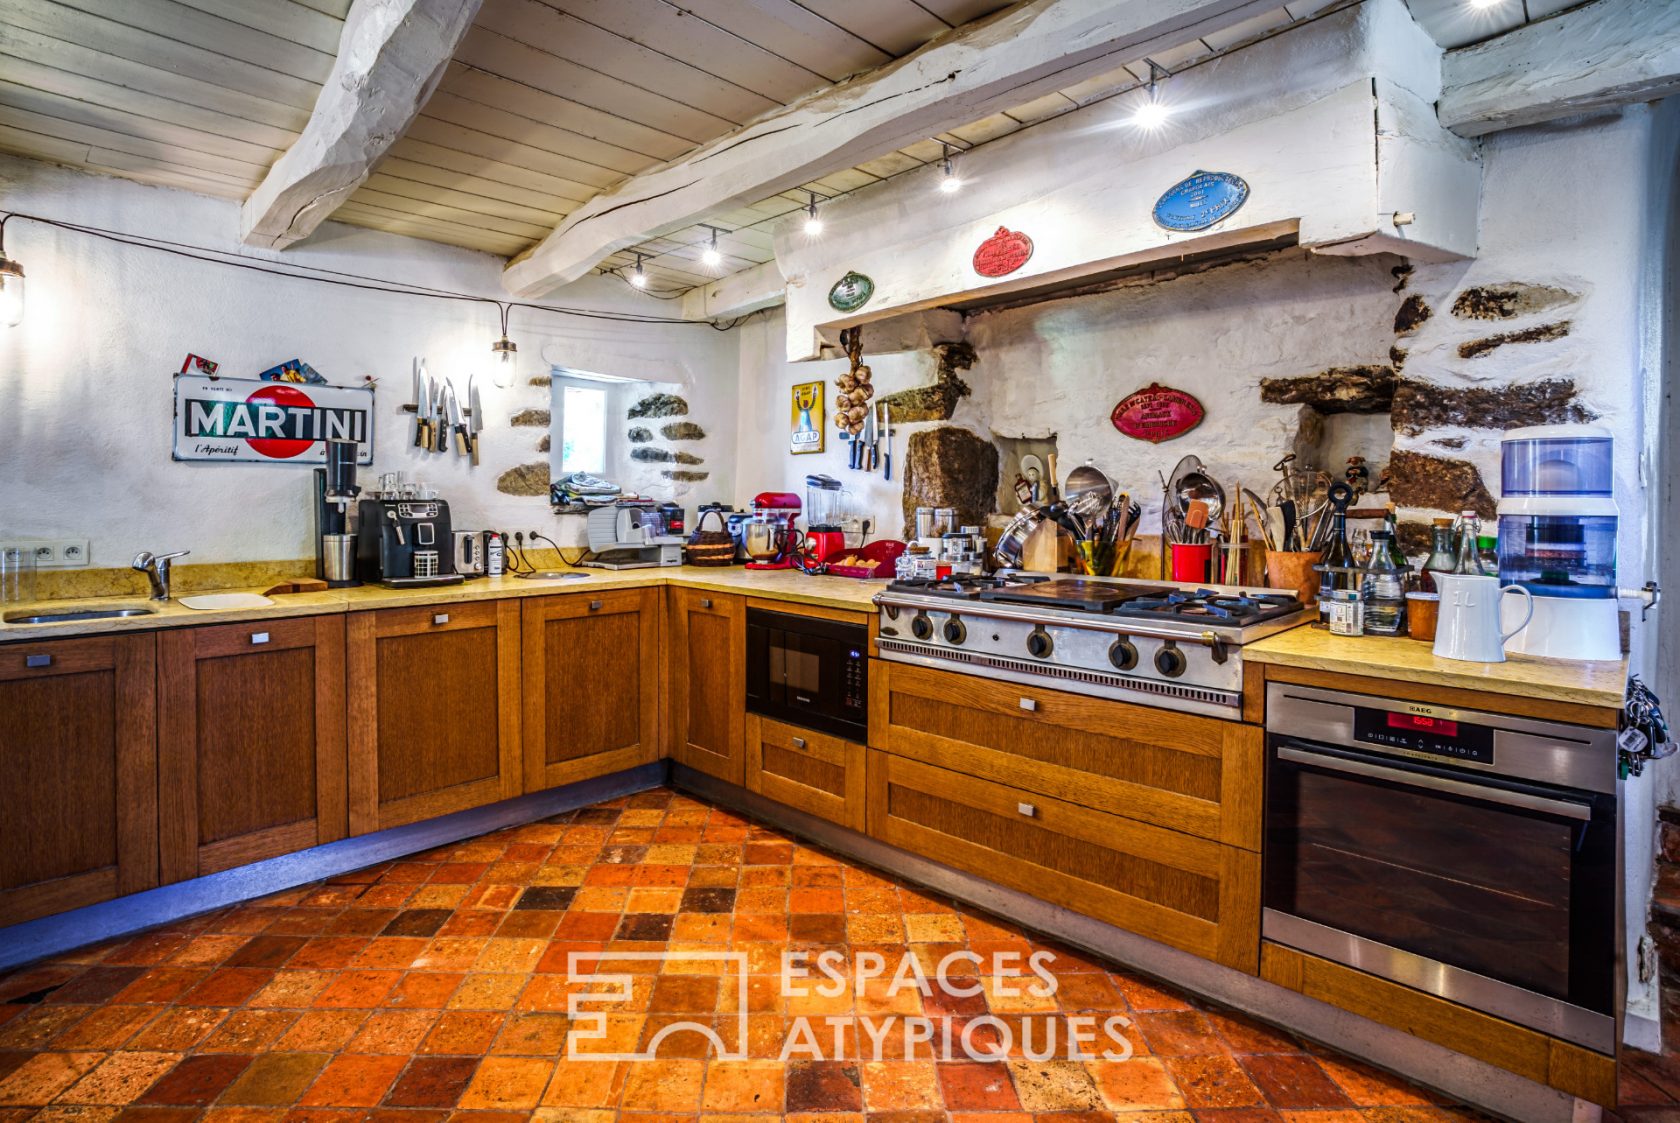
(405, 543)
(335, 540)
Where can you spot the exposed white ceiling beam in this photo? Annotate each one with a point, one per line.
(390, 57)
(750, 290)
(978, 70)
(1608, 53)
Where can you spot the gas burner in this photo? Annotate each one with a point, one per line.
(1210, 605)
(962, 585)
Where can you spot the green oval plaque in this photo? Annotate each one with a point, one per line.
(851, 292)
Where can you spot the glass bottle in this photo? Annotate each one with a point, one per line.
(1440, 558)
(1465, 558)
(1392, 525)
(1487, 553)
(1384, 589)
(1338, 556)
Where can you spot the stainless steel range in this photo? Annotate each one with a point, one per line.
(1154, 642)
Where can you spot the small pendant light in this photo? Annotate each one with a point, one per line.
(506, 354)
(11, 285)
(813, 221)
(712, 257)
(639, 278)
(948, 182)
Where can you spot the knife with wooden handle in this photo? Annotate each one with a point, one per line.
(476, 421)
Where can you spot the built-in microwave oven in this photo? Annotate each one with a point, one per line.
(808, 671)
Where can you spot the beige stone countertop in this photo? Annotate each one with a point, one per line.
(1409, 660)
(785, 585)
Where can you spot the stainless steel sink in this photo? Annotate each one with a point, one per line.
(31, 616)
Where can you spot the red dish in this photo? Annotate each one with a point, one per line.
(881, 555)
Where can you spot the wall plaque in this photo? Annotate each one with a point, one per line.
(1157, 413)
(1002, 253)
(1200, 201)
(251, 420)
(851, 292)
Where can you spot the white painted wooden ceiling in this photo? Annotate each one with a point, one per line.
(546, 103)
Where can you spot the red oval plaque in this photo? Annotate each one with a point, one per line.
(1157, 413)
(1002, 253)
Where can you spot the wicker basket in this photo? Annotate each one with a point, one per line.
(709, 547)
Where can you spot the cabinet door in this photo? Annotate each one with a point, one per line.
(591, 671)
(1191, 893)
(814, 772)
(250, 742)
(1199, 775)
(78, 730)
(434, 711)
(708, 681)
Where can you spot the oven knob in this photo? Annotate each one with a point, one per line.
(1039, 644)
(891, 611)
(1170, 661)
(1123, 655)
(921, 627)
(955, 631)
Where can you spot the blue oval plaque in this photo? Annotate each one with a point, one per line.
(1199, 201)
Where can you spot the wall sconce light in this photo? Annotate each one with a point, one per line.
(11, 285)
(506, 354)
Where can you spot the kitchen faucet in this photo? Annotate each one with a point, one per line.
(156, 569)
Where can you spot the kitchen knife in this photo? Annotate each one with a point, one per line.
(422, 408)
(419, 411)
(477, 421)
(886, 438)
(463, 439)
(440, 425)
(870, 451)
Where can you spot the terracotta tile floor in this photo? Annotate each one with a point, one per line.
(436, 987)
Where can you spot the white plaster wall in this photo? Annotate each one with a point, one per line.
(86, 379)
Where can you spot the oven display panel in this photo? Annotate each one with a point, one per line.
(1418, 733)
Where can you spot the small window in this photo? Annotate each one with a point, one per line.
(583, 429)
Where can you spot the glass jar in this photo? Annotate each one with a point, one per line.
(1384, 589)
(1440, 558)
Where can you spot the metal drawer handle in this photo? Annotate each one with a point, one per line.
(594, 606)
(259, 637)
(705, 602)
(37, 660)
(1027, 809)
(1440, 784)
(1030, 705)
(799, 742)
(441, 618)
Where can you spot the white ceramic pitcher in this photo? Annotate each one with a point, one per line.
(1468, 627)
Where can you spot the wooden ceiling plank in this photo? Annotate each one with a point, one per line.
(392, 56)
(285, 19)
(1608, 53)
(987, 128)
(80, 87)
(123, 142)
(958, 12)
(1043, 108)
(130, 166)
(517, 148)
(461, 216)
(660, 27)
(496, 181)
(338, 9)
(134, 124)
(893, 163)
(610, 96)
(564, 36)
(507, 95)
(420, 191)
(1021, 54)
(126, 74)
(46, 17)
(895, 26)
(792, 32)
(209, 31)
(43, 146)
(386, 222)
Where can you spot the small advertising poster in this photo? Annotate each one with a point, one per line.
(256, 422)
(808, 417)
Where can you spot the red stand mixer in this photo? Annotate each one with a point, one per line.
(771, 539)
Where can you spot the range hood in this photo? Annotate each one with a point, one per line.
(1340, 163)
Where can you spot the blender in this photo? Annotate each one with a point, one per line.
(825, 518)
(769, 536)
(1557, 539)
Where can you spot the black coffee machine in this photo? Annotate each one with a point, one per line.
(335, 539)
(405, 543)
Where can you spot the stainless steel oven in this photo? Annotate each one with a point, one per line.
(1470, 855)
(809, 671)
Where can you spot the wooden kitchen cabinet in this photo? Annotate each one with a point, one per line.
(433, 711)
(1194, 774)
(1190, 893)
(251, 750)
(78, 723)
(708, 687)
(592, 684)
(813, 772)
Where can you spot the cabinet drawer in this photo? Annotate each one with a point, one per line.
(1191, 893)
(813, 772)
(1194, 774)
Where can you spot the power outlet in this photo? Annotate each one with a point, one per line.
(52, 553)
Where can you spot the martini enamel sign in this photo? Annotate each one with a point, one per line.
(253, 421)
